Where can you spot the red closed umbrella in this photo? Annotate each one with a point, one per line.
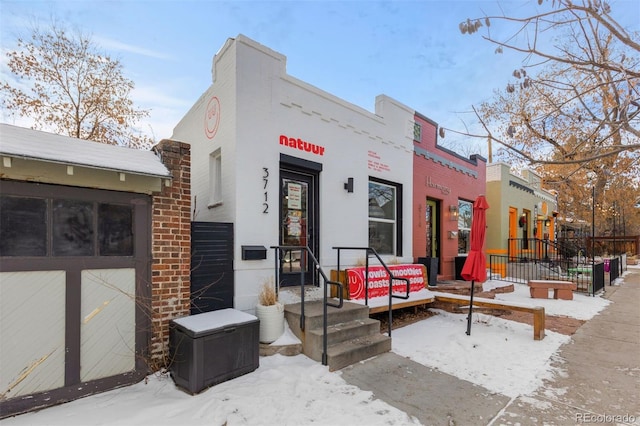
(475, 267)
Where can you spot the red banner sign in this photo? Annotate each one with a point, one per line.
(379, 280)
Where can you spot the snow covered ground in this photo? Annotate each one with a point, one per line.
(298, 391)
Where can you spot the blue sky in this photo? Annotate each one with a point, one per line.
(409, 50)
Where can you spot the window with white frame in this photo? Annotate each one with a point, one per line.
(215, 178)
(385, 215)
(465, 210)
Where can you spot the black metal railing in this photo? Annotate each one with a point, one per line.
(534, 258)
(392, 278)
(597, 278)
(590, 277)
(504, 269)
(279, 251)
(614, 268)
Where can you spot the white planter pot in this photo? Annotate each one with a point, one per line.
(271, 322)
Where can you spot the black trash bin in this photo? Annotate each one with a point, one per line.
(210, 348)
(432, 269)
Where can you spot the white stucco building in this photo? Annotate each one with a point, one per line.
(289, 164)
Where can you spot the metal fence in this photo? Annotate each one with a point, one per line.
(567, 260)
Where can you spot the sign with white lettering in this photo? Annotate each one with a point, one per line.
(379, 280)
(444, 189)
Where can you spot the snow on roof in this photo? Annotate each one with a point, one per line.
(37, 145)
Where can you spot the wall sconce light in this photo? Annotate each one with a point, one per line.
(453, 212)
(453, 235)
(547, 223)
(348, 185)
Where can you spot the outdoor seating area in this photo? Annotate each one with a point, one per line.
(559, 261)
(426, 296)
(561, 289)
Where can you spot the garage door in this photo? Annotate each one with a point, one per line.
(74, 292)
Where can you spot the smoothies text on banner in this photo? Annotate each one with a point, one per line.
(379, 280)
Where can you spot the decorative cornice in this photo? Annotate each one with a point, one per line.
(448, 163)
(521, 187)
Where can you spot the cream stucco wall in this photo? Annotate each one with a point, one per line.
(505, 190)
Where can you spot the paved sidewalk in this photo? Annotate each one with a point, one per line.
(601, 384)
(602, 364)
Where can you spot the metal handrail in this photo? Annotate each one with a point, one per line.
(544, 249)
(278, 250)
(366, 286)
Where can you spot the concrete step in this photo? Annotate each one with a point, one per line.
(338, 333)
(352, 336)
(313, 313)
(350, 352)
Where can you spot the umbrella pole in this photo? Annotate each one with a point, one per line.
(470, 309)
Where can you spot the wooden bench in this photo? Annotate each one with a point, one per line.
(539, 289)
(401, 304)
(537, 311)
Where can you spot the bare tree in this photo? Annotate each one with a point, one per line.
(573, 109)
(65, 84)
(583, 105)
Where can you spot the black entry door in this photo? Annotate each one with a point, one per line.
(298, 224)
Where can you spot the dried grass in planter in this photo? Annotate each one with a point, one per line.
(268, 296)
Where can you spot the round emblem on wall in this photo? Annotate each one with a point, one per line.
(212, 117)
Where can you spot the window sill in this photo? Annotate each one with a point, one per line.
(214, 205)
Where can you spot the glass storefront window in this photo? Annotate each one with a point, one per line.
(465, 211)
(382, 217)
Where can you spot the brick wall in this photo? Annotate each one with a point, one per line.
(170, 248)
